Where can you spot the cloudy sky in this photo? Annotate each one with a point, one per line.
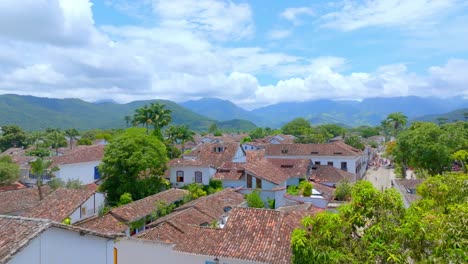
(253, 53)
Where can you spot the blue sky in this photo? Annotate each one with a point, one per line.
(253, 53)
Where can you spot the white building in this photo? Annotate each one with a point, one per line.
(30, 240)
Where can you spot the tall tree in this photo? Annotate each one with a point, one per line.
(56, 139)
(71, 134)
(128, 120)
(133, 162)
(179, 134)
(12, 136)
(9, 171)
(143, 116)
(395, 122)
(41, 168)
(161, 117)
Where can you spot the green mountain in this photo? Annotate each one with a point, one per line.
(36, 113)
(218, 109)
(453, 116)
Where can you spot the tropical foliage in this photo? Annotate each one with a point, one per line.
(9, 171)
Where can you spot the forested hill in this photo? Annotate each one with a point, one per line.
(36, 113)
(457, 115)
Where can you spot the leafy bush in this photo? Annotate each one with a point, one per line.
(343, 191)
(125, 198)
(56, 183)
(254, 200)
(292, 190)
(306, 188)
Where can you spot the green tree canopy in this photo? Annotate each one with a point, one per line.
(133, 162)
(40, 168)
(12, 136)
(354, 141)
(9, 171)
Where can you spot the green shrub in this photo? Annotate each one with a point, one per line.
(254, 200)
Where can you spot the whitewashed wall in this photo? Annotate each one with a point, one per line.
(131, 251)
(81, 171)
(58, 246)
(189, 175)
(92, 206)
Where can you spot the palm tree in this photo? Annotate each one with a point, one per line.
(56, 139)
(161, 117)
(396, 121)
(142, 116)
(71, 134)
(180, 134)
(127, 119)
(40, 168)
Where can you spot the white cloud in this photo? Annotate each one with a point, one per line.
(356, 14)
(60, 22)
(218, 19)
(293, 14)
(279, 34)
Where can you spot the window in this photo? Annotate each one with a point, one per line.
(180, 176)
(284, 151)
(258, 183)
(218, 149)
(198, 177)
(96, 173)
(330, 163)
(249, 181)
(317, 163)
(344, 166)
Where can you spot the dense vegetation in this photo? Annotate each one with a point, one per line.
(375, 227)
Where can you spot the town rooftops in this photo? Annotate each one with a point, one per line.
(229, 171)
(202, 211)
(16, 201)
(81, 154)
(293, 167)
(326, 173)
(143, 207)
(104, 223)
(251, 234)
(266, 170)
(214, 154)
(17, 232)
(59, 205)
(328, 149)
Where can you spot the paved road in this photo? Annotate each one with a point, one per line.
(380, 178)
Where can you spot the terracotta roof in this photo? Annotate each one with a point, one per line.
(328, 149)
(206, 154)
(266, 170)
(258, 235)
(12, 187)
(19, 200)
(59, 204)
(80, 155)
(181, 162)
(17, 232)
(143, 207)
(327, 192)
(175, 226)
(104, 223)
(229, 171)
(326, 173)
(293, 167)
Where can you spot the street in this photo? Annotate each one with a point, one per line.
(380, 178)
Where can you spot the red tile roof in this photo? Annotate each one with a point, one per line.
(59, 204)
(266, 170)
(105, 223)
(80, 155)
(206, 155)
(326, 173)
(135, 210)
(258, 235)
(328, 149)
(229, 171)
(19, 200)
(12, 187)
(293, 167)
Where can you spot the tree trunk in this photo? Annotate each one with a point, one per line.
(39, 188)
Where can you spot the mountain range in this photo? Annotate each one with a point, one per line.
(36, 113)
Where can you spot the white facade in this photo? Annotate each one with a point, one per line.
(89, 208)
(81, 171)
(58, 246)
(132, 251)
(189, 175)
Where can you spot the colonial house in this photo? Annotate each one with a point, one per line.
(120, 219)
(16, 202)
(71, 204)
(249, 236)
(80, 164)
(270, 177)
(200, 165)
(336, 154)
(32, 240)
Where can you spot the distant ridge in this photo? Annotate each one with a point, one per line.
(37, 113)
(453, 116)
